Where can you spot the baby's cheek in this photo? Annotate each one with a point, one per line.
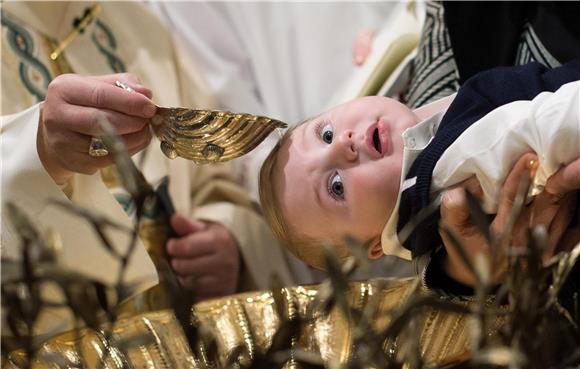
(368, 191)
(380, 190)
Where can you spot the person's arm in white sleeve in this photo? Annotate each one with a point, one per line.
(26, 184)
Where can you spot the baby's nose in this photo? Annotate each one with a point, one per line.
(347, 146)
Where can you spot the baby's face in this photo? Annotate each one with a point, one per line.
(339, 173)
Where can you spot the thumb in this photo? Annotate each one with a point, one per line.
(184, 226)
(565, 180)
(454, 211)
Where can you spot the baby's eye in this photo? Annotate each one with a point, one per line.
(326, 134)
(335, 187)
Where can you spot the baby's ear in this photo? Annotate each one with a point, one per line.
(375, 250)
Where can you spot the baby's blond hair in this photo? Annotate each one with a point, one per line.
(308, 249)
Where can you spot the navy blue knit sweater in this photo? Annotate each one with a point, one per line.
(478, 96)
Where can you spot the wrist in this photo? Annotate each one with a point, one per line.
(456, 270)
(436, 279)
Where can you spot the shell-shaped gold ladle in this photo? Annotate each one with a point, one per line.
(208, 136)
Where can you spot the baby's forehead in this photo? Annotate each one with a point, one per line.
(283, 156)
(293, 160)
(294, 134)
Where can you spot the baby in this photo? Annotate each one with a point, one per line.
(366, 167)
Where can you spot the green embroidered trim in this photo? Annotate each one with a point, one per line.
(125, 200)
(108, 50)
(21, 42)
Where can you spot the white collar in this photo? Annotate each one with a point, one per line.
(415, 139)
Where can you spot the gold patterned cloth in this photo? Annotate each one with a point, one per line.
(250, 320)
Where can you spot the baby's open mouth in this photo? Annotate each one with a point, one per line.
(377, 141)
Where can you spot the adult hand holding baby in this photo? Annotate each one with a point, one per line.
(553, 208)
(559, 194)
(70, 116)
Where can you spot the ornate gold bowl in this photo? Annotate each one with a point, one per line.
(249, 321)
(209, 136)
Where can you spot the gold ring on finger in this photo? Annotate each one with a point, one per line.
(97, 148)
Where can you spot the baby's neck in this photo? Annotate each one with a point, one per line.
(428, 110)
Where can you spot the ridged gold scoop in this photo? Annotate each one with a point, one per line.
(208, 136)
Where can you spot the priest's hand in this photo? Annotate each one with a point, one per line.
(205, 257)
(70, 116)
